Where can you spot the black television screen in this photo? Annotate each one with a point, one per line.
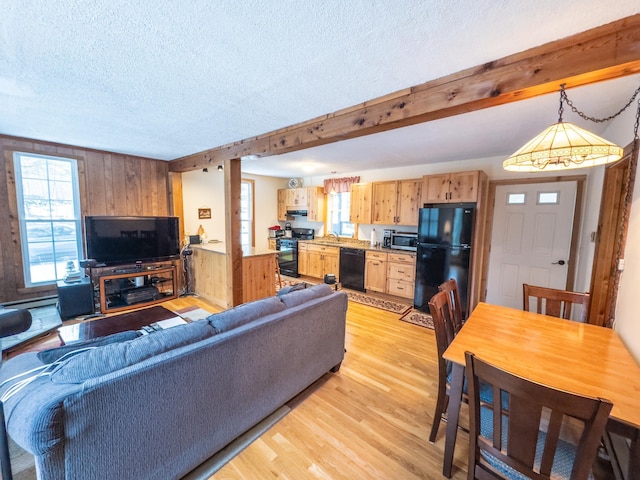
(121, 240)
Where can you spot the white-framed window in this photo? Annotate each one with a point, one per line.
(49, 214)
(548, 198)
(516, 198)
(247, 226)
(339, 213)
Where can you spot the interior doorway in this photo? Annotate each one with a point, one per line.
(513, 186)
(530, 239)
(613, 223)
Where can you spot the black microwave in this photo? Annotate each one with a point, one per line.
(404, 241)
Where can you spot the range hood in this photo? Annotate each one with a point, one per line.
(296, 213)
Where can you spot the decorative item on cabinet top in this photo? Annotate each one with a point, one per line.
(294, 183)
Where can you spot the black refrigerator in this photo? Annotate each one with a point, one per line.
(444, 251)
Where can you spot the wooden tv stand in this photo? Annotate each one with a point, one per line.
(138, 286)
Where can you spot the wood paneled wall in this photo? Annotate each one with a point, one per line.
(110, 184)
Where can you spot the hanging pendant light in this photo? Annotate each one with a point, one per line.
(562, 146)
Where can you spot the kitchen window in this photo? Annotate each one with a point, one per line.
(339, 205)
(49, 216)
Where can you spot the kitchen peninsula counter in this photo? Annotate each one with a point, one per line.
(209, 273)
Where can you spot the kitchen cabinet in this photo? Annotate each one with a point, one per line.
(396, 202)
(375, 271)
(322, 259)
(452, 187)
(272, 244)
(303, 258)
(282, 204)
(297, 197)
(360, 206)
(310, 199)
(401, 269)
(315, 204)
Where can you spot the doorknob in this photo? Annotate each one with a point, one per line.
(559, 262)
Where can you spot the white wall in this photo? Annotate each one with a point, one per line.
(206, 190)
(627, 322)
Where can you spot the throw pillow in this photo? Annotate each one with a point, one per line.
(245, 313)
(115, 356)
(291, 288)
(53, 354)
(301, 296)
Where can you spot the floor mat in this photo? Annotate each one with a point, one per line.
(418, 318)
(193, 313)
(378, 302)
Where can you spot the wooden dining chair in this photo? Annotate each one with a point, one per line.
(450, 287)
(554, 302)
(528, 442)
(444, 333)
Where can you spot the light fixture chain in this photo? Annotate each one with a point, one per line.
(574, 109)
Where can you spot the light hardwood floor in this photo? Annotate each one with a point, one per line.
(370, 420)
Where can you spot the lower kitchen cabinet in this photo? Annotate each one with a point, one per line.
(375, 271)
(321, 260)
(303, 258)
(401, 269)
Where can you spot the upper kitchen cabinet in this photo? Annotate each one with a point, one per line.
(360, 208)
(296, 197)
(396, 202)
(452, 187)
(315, 204)
(310, 199)
(282, 204)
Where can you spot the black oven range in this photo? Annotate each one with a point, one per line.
(288, 250)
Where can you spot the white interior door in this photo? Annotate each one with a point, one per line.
(530, 240)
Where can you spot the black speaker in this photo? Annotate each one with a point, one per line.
(75, 299)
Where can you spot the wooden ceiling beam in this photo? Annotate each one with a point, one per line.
(603, 53)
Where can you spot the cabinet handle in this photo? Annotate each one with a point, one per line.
(400, 271)
(400, 288)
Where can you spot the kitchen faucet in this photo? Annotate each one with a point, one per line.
(332, 234)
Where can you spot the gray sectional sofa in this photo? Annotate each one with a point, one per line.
(157, 406)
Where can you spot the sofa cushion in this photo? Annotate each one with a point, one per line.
(115, 356)
(52, 354)
(299, 297)
(245, 313)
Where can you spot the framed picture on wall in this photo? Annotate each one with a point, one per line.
(204, 213)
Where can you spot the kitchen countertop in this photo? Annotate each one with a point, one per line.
(219, 248)
(351, 243)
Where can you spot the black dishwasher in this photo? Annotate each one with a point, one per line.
(352, 268)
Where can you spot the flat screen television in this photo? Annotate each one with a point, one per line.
(128, 240)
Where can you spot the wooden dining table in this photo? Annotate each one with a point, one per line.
(576, 357)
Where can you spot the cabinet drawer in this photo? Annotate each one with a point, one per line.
(400, 288)
(303, 246)
(323, 249)
(371, 255)
(401, 271)
(402, 257)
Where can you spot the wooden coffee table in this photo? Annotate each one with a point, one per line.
(113, 324)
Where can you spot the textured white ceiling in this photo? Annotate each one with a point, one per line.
(164, 79)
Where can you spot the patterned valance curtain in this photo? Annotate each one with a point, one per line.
(339, 185)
